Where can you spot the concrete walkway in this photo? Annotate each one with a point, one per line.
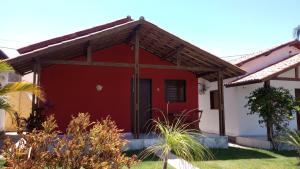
(176, 162)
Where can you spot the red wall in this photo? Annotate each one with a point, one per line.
(72, 88)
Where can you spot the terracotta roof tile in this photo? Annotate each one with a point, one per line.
(251, 56)
(74, 35)
(268, 72)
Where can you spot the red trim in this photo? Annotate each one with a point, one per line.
(72, 35)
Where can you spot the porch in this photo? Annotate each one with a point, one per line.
(146, 140)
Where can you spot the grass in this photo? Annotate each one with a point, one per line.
(231, 158)
(151, 162)
(2, 162)
(239, 158)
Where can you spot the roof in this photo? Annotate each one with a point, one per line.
(74, 35)
(248, 57)
(152, 38)
(245, 57)
(268, 72)
(3, 55)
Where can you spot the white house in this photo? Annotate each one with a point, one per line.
(278, 66)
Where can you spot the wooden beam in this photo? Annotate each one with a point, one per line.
(132, 34)
(98, 35)
(297, 72)
(178, 60)
(89, 53)
(286, 78)
(221, 104)
(129, 65)
(174, 52)
(137, 83)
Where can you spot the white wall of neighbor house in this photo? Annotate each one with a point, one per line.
(272, 58)
(237, 121)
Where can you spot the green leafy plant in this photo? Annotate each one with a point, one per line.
(275, 108)
(16, 87)
(176, 137)
(296, 32)
(86, 145)
(293, 138)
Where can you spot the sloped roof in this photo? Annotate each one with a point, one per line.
(3, 55)
(71, 36)
(268, 72)
(248, 57)
(152, 38)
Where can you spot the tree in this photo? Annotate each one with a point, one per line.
(275, 108)
(15, 87)
(176, 137)
(297, 32)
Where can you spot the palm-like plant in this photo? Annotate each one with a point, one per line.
(297, 32)
(293, 138)
(177, 138)
(16, 87)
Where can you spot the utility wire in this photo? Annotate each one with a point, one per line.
(4, 47)
(9, 40)
(235, 55)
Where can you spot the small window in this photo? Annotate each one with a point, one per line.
(214, 99)
(175, 91)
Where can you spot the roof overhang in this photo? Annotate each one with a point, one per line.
(152, 38)
(267, 73)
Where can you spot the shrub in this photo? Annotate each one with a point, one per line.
(275, 108)
(85, 145)
(177, 138)
(293, 138)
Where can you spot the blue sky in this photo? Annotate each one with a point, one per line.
(221, 27)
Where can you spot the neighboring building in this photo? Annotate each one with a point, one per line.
(279, 66)
(95, 71)
(21, 102)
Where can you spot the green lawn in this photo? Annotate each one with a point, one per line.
(238, 158)
(232, 158)
(152, 162)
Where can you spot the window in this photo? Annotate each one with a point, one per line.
(175, 90)
(214, 99)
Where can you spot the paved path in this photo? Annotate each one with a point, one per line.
(177, 163)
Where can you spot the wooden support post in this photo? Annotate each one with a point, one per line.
(34, 82)
(136, 85)
(89, 53)
(297, 72)
(38, 79)
(178, 60)
(269, 126)
(221, 104)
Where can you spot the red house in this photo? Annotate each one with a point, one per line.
(99, 70)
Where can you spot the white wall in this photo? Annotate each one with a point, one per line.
(237, 122)
(270, 59)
